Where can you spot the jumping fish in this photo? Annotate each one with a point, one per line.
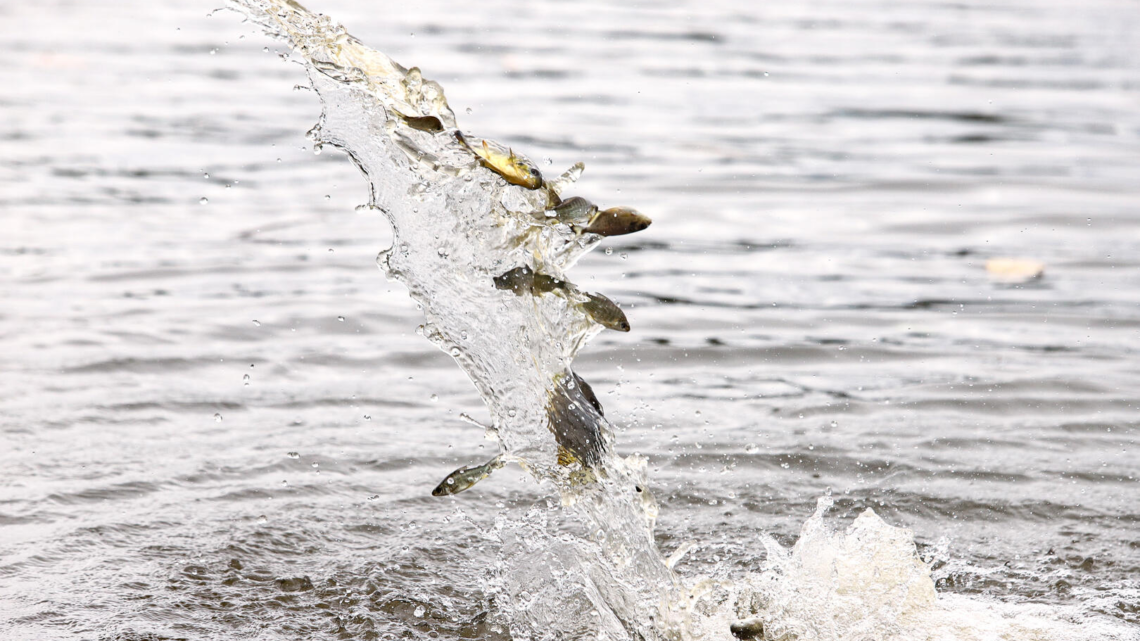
(463, 478)
(513, 169)
(575, 210)
(747, 629)
(604, 312)
(430, 124)
(617, 221)
(522, 280)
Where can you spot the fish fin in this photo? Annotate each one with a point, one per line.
(566, 457)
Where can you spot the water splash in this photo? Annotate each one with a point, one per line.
(476, 248)
(482, 246)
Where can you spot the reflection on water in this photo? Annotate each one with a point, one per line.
(811, 306)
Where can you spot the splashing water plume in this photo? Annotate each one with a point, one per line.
(484, 244)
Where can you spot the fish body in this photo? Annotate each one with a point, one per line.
(617, 221)
(747, 629)
(465, 477)
(518, 280)
(514, 169)
(575, 210)
(604, 312)
(524, 280)
(429, 124)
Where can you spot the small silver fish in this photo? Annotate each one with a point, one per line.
(575, 210)
(463, 478)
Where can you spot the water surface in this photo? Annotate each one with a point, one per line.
(810, 309)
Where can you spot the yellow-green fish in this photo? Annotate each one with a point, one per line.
(512, 168)
(463, 478)
(604, 312)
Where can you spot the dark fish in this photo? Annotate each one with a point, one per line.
(604, 312)
(576, 424)
(747, 630)
(588, 392)
(424, 123)
(518, 280)
(617, 221)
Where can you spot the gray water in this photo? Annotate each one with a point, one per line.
(811, 310)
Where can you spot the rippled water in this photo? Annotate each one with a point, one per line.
(810, 308)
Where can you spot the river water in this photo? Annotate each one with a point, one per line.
(217, 420)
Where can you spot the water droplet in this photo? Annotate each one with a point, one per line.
(751, 448)
(511, 413)
(340, 318)
(246, 379)
(434, 398)
(265, 50)
(624, 255)
(213, 51)
(257, 322)
(419, 612)
(328, 197)
(548, 161)
(469, 110)
(318, 148)
(367, 417)
(218, 417)
(609, 251)
(263, 519)
(204, 201)
(293, 455)
(455, 351)
(316, 464)
(206, 175)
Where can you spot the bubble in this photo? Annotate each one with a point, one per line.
(316, 464)
(609, 251)
(340, 318)
(263, 519)
(257, 322)
(434, 398)
(246, 379)
(218, 417)
(752, 448)
(419, 612)
(455, 351)
(293, 455)
(204, 201)
(469, 112)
